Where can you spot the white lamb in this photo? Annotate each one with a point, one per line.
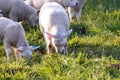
(13, 36)
(54, 24)
(38, 3)
(17, 10)
(76, 11)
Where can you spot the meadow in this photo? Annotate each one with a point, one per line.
(93, 46)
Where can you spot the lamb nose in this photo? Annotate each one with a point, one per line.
(61, 51)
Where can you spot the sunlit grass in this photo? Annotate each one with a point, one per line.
(93, 46)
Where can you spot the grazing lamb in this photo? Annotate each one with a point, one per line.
(76, 11)
(54, 24)
(13, 36)
(1, 13)
(38, 3)
(17, 10)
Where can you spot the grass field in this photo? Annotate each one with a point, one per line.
(94, 49)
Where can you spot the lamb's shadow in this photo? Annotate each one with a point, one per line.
(97, 50)
(92, 50)
(102, 5)
(1, 43)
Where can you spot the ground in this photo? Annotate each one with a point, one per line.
(93, 46)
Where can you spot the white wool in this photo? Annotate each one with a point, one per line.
(17, 10)
(76, 11)
(13, 36)
(38, 3)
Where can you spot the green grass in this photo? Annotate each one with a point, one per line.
(94, 49)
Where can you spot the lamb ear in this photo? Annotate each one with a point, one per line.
(50, 35)
(34, 47)
(68, 33)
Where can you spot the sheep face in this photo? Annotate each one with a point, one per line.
(59, 41)
(25, 52)
(71, 3)
(59, 44)
(33, 19)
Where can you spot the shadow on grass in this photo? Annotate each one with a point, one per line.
(114, 28)
(1, 43)
(96, 50)
(102, 5)
(79, 28)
